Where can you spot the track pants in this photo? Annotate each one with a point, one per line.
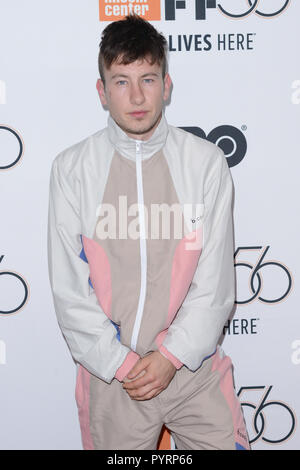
(200, 409)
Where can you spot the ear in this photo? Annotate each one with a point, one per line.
(167, 86)
(101, 91)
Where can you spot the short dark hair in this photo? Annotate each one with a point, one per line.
(131, 39)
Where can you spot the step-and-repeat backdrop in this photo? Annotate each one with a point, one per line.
(236, 77)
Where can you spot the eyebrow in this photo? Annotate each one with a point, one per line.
(121, 75)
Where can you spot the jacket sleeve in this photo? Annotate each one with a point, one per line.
(193, 335)
(89, 333)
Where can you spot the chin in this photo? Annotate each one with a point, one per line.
(138, 130)
(143, 128)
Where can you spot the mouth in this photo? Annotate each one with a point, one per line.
(138, 114)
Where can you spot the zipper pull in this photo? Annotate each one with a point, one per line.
(138, 146)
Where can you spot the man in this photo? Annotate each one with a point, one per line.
(142, 310)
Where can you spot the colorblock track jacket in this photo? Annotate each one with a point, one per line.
(140, 248)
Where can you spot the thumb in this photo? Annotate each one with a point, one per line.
(137, 368)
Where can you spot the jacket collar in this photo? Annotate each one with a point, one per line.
(126, 146)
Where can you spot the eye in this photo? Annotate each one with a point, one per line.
(121, 82)
(148, 80)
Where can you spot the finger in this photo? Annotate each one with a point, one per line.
(140, 392)
(153, 393)
(127, 380)
(139, 366)
(138, 383)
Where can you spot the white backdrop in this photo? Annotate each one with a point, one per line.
(239, 72)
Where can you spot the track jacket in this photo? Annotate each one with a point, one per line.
(123, 285)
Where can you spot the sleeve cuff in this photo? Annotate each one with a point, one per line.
(130, 360)
(176, 362)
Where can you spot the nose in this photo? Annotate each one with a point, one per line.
(136, 94)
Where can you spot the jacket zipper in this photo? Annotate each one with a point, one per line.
(143, 251)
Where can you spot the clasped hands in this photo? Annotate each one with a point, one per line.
(149, 377)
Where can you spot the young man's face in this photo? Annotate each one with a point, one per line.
(135, 95)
